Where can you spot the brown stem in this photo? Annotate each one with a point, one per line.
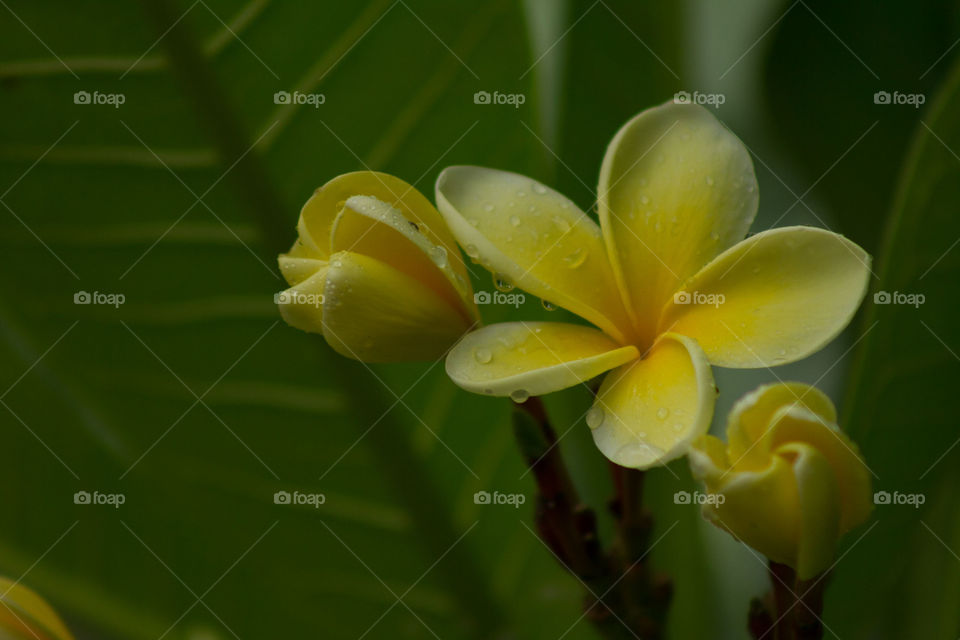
(792, 610)
(626, 600)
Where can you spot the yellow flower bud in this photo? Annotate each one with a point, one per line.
(24, 615)
(377, 272)
(788, 482)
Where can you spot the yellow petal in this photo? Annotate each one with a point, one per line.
(647, 412)
(375, 313)
(373, 228)
(301, 306)
(754, 414)
(850, 475)
(25, 615)
(536, 238)
(774, 298)
(521, 359)
(759, 508)
(676, 189)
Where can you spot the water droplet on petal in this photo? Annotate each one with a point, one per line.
(595, 417)
(473, 222)
(644, 199)
(515, 220)
(549, 306)
(439, 256)
(678, 427)
(482, 355)
(519, 395)
(577, 258)
(662, 413)
(709, 181)
(521, 194)
(471, 250)
(502, 283)
(561, 223)
(538, 188)
(488, 207)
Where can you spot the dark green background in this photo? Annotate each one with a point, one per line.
(180, 199)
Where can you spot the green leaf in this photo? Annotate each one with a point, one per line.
(898, 408)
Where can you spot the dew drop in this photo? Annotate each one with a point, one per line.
(502, 283)
(577, 258)
(515, 220)
(521, 193)
(709, 181)
(561, 223)
(472, 251)
(595, 417)
(678, 427)
(488, 207)
(520, 396)
(482, 355)
(538, 188)
(644, 199)
(473, 222)
(662, 413)
(439, 256)
(549, 306)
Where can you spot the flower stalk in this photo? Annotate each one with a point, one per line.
(625, 599)
(792, 610)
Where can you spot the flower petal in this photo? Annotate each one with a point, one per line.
(648, 411)
(753, 416)
(536, 238)
(774, 298)
(676, 189)
(374, 228)
(25, 615)
(301, 306)
(375, 313)
(532, 358)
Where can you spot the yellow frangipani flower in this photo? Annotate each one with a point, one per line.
(792, 482)
(377, 272)
(25, 615)
(666, 276)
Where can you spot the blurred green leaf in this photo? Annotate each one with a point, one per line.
(898, 407)
(825, 62)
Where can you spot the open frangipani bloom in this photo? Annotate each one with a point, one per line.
(24, 615)
(792, 482)
(666, 277)
(377, 272)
